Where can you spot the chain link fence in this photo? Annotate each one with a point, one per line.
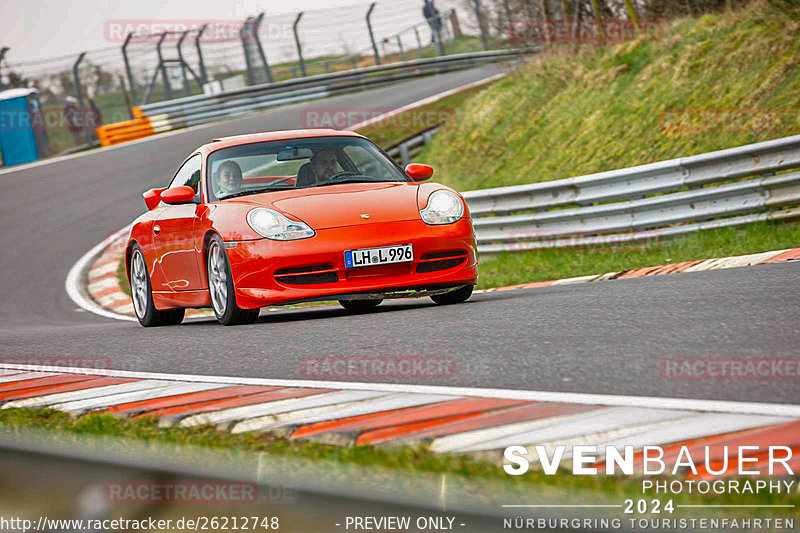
(157, 60)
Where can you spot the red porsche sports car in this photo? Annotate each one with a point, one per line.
(279, 217)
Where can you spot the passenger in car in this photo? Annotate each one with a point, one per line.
(228, 178)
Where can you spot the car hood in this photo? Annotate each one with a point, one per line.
(346, 204)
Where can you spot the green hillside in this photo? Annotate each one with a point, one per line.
(705, 83)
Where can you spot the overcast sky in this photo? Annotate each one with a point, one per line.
(37, 29)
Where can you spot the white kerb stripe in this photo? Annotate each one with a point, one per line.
(109, 401)
(96, 392)
(278, 406)
(25, 376)
(696, 427)
(339, 411)
(610, 419)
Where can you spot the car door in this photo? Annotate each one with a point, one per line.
(175, 234)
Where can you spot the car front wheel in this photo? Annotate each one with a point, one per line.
(142, 295)
(220, 286)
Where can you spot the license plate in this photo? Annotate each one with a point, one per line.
(384, 255)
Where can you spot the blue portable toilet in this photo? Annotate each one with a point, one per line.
(23, 135)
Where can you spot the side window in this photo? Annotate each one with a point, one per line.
(188, 174)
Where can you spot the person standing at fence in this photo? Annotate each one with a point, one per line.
(433, 17)
(74, 118)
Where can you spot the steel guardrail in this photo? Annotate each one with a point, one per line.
(717, 189)
(193, 110)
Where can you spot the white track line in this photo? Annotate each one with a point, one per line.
(74, 281)
(655, 402)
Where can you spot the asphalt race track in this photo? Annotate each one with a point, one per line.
(606, 337)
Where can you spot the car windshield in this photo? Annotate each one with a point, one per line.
(297, 164)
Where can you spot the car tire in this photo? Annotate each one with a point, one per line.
(454, 297)
(359, 306)
(142, 295)
(221, 289)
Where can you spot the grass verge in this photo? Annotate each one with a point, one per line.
(400, 127)
(512, 268)
(414, 459)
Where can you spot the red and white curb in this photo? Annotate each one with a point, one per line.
(448, 419)
(774, 256)
(102, 282)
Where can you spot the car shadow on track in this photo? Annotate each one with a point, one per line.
(306, 314)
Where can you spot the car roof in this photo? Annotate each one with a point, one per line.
(225, 142)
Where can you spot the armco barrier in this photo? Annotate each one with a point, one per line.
(649, 201)
(192, 110)
(121, 132)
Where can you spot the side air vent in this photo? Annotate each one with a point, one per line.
(436, 261)
(306, 275)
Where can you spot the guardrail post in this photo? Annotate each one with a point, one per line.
(297, 42)
(186, 88)
(203, 73)
(79, 89)
(261, 53)
(404, 157)
(163, 67)
(456, 26)
(128, 71)
(2, 55)
(481, 23)
(244, 33)
(371, 35)
(400, 46)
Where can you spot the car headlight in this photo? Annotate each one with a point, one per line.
(277, 227)
(444, 207)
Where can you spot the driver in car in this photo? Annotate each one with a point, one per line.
(324, 164)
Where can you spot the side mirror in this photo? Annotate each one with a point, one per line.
(153, 197)
(179, 195)
(419, 172)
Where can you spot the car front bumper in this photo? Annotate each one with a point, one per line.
(267, 272)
